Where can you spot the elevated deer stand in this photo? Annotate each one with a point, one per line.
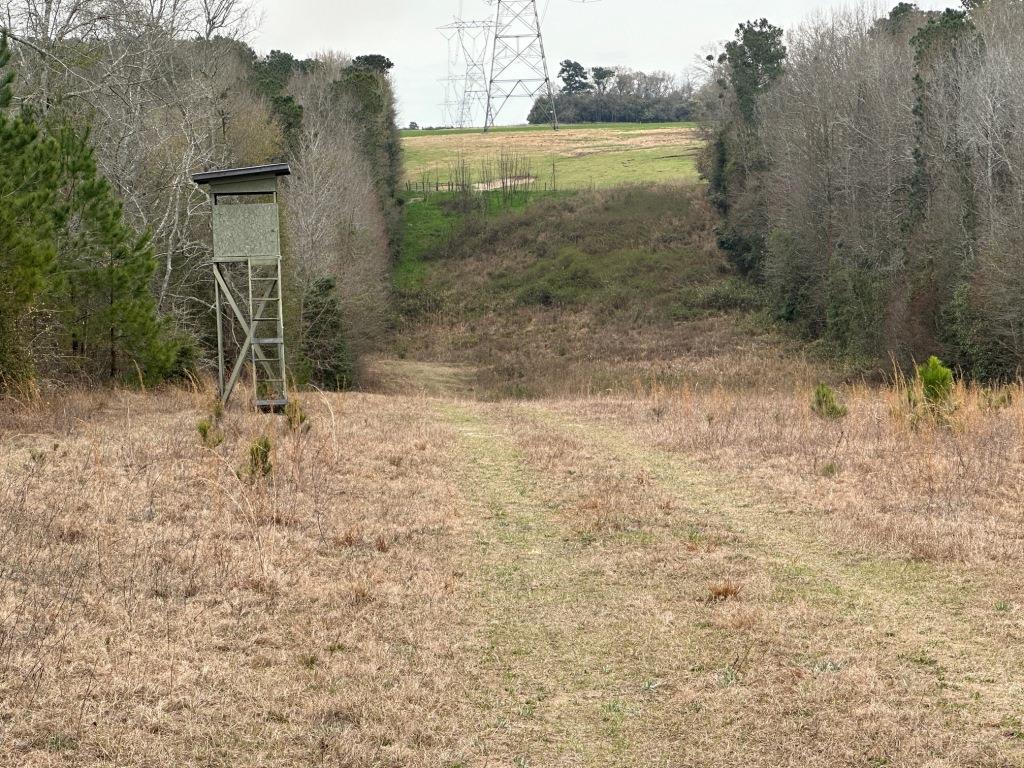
(247, 277)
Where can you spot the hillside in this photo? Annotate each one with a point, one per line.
(615, 290)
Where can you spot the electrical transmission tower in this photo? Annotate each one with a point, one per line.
(466, 93)
(474, 39)
(453, 82)
(512, 43)
(519, 66)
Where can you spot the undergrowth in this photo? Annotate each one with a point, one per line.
(643, 248)
(585, 281)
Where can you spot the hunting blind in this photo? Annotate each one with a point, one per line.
(247, 280)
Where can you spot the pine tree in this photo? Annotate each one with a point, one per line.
(66, 254)
(29, 177)
(103, 275)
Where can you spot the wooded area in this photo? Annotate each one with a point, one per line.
(121, 101)
(870, 174)
(615, 95)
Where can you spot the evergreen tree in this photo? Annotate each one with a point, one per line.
(574, 77)
(102, 276)
(270, 77)
(29, 174)
(365, 94)
(602, 77)
(733, 160)
(66, 254)
(755, 58)
(374, 61)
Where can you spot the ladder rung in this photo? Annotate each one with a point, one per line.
(265, 319)
(263, 279)
(270, 340)
(266, 360)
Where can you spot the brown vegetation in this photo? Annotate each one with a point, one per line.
(610, 291)
(424, 582)
(162, 604)
(870, 175)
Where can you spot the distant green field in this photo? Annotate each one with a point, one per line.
(575, 157)
(406, 133)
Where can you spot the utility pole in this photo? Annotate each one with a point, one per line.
(519, 66)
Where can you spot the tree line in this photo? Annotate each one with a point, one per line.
(106, 109)
(870, 173)
(615, 95)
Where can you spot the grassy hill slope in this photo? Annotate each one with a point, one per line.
(611, 290)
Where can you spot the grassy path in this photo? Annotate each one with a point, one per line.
(549, 684)
(635, 609)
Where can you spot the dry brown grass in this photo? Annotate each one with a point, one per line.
(159, 607)
(889, 480)
(675, 561)
(719, 591)
(665, 578)
(771, 644)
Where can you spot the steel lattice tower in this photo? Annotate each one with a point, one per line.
(453, 83)
(473, 39)
(466, 94)
(519, 66)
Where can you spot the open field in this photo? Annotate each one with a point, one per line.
(575, 157)
(622, 127)
(710, 578)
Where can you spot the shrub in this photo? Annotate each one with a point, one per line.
(295, 414)
(208, 429)
(259, 458)
(936, 383)
(826, 404)
(204, 428)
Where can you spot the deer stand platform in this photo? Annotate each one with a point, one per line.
(247, 280)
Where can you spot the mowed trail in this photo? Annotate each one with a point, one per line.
(629, 607)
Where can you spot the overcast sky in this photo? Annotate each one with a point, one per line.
(642, 34)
